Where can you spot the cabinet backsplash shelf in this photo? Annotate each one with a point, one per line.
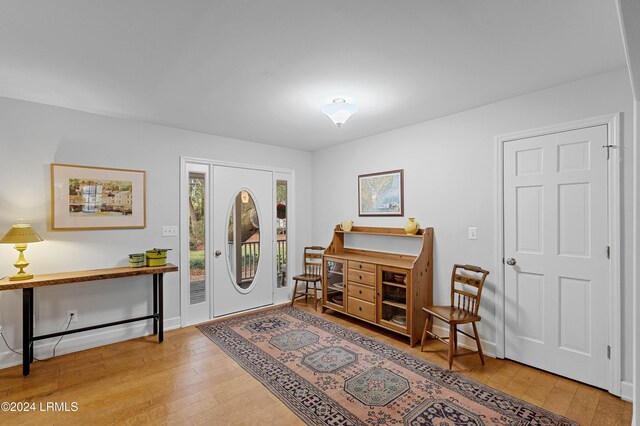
(356, 231)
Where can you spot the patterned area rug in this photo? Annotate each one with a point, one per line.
(330, 375)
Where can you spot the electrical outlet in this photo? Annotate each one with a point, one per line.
(75, 315)
(169, 231)
(473, 233)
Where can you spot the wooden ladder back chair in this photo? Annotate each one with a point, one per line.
(466, 291)
(311, 275)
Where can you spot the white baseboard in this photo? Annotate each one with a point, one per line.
(626, 391)
(488, 348)
(86, 340)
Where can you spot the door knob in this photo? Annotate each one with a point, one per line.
(218, 253)
(511, 261)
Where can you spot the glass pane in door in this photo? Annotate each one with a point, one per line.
(197, 231)
(394, 297)
(243, 242)
(281, 232)
(334, 283)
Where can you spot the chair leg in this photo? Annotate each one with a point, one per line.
(452, 336)
(475, 332)
(455, 340)
(306, 292)
(295, 290)
(427, 326)
(315, 295)
(424, 334)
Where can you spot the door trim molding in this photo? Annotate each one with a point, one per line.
(612, 121)
(184, 229)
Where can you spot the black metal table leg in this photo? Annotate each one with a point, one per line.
(160, 309)
(155, 303)
(31, 323)
(27, 315)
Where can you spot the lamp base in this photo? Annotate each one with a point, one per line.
(21, 263)
(20, 277)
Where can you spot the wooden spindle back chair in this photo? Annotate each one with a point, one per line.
(466, 291)
(311, 275)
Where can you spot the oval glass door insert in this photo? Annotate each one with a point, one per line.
(243, 247)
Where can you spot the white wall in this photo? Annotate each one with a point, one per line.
(31, 137)
(450, 179)
(629, 16)
(636, 272)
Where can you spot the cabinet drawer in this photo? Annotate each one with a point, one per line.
(362, 292)
(362, 309)
(361, 277)
(361, 266)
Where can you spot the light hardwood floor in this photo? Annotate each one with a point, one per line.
(188, 380)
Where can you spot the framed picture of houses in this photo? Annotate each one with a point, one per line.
(84, 198)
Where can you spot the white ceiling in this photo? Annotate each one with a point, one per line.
(261, 70)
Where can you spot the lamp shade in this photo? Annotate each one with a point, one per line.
(339, 111)
(21, 233)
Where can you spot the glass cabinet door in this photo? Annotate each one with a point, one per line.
(393, 300)
(334, 284)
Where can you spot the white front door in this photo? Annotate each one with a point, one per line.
(556, 253)
(242, 239)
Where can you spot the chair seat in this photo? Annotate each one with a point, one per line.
(451, 314)
(308, 277)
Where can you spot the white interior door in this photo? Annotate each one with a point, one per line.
(242, 239)
(556, 251)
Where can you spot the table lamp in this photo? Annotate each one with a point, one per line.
(20, 234)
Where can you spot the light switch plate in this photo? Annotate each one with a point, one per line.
(473, 233)
(169, 231)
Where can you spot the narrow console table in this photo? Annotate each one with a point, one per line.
(46, 280)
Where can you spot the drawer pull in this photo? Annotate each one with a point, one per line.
(360, 307)
(360, 276)
(360, 291)
(360, 266)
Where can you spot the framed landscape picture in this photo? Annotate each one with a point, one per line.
(85, 197)
(381, 194)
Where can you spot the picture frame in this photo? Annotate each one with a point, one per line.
(93, 198)
(381, 194)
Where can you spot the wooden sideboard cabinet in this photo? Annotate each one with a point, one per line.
(382, 288)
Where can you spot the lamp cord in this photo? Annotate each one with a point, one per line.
(10, 348)
(44, 359)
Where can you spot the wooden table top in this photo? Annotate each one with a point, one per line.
(405, 263)
(44, 280)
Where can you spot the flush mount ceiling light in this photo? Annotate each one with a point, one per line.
(339, 111)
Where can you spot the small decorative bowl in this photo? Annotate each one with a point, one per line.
(399, 277)
(399, 319)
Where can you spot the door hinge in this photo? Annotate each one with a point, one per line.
(608, 252)
(608, 150)
(608, 352)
